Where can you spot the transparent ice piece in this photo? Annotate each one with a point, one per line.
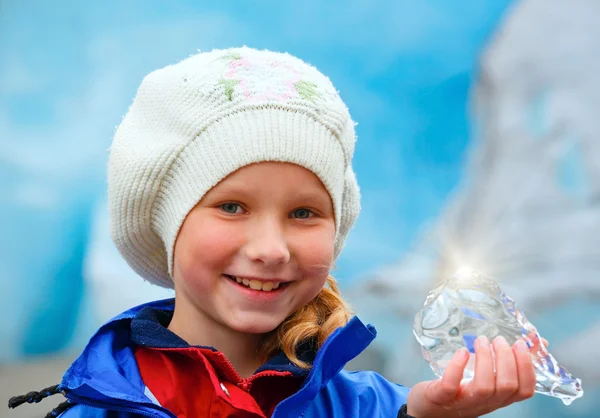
(470, 304)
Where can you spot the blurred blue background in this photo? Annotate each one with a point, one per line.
(477, 142)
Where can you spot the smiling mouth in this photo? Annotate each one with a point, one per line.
(257, 284)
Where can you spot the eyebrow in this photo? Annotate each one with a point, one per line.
(304, 196)
(313, 197)
(227, 190)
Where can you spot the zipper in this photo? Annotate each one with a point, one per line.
(244, 384)
(112, 407)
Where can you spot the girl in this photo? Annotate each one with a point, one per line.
(230, 180)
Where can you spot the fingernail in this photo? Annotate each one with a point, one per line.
(483, 341)
(500, 340)
(462, 352)
(521, 346)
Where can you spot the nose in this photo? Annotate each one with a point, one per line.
(267, 245)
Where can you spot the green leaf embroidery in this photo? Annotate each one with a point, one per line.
(229, 86)
(232, 55)
(307, 90)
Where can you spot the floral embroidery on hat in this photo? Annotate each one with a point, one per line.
(307, 90)
(256, 83)
(229, 86)
(232, 55)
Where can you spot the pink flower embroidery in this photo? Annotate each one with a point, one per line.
(276, 82)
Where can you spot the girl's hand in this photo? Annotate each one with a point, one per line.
(513, 381)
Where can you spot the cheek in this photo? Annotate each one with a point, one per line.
(217, 240)
(203, 246)
(315, 253)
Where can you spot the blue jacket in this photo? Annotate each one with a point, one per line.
(105, 382)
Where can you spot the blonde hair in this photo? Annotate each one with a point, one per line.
(312, 323)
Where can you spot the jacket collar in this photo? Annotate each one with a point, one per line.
(106, 372)
(149, 329)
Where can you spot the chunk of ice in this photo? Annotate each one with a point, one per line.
(470, 304)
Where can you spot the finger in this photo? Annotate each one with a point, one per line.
(507, 379)
(545, 341)
(446, 389)
(525, 372)
(483, 385)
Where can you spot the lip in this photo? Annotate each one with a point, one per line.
(257, 295)
(260, 279)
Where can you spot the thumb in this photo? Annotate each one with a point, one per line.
(444, 391)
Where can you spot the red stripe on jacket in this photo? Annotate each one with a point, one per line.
(189, 382)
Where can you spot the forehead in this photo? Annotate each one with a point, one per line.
(272, 173)
(269, 178)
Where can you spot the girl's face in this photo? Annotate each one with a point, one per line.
(257, 247)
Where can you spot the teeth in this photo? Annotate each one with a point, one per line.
(257, 284)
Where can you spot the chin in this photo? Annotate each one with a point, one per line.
(258, 324)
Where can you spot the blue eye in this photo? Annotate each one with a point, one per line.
(302, 213)
(230, 207)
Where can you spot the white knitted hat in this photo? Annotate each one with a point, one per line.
(193, 123)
